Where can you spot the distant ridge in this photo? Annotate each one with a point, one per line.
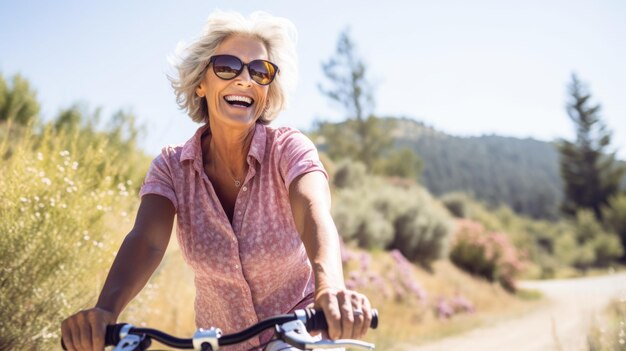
(521, 173)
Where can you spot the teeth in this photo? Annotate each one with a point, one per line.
(238, 98)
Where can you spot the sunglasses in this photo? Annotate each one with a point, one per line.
(228, 67)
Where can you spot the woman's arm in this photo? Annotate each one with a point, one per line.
(138, 257)
(309, 196)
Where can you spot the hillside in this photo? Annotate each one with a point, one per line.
(521, 173)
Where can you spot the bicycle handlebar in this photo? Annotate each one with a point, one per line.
(314, 320)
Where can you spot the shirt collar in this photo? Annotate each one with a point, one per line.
(192, 149)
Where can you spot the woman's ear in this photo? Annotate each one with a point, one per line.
(200, 91)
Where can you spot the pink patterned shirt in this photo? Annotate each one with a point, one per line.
(256, 267)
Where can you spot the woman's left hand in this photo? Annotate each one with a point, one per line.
(348, 313)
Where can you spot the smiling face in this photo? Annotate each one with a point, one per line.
(239, 100)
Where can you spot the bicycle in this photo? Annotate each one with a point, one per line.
(292, 328)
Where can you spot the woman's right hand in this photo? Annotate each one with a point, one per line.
(85, 330)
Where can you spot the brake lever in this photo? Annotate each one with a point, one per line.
(295, 334)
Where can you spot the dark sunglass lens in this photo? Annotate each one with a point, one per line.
(226, 66)
(262, 71)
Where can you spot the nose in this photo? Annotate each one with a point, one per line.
(244, 78)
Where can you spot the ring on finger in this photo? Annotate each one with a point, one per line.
(357, 312)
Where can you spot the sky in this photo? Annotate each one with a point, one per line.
(464, 68)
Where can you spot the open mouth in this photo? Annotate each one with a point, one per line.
(239, 100)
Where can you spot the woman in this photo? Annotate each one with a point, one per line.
(252, 202)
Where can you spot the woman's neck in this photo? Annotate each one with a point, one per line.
(228, 148)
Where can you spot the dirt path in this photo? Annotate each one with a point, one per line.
(561, 325)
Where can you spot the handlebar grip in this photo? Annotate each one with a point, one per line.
(317, 321)
(111, 336)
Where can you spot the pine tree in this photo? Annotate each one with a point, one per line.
(361, 136)
(589, 170)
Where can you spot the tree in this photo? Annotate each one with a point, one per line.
(18, 102)
(360, 136)
(589, 170)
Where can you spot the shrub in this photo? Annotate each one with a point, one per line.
(376, 214)
(457, 204)
(615, 217)
(350, 174)
(357, 219)
(486, 254)
(58, 205)
(588, 244)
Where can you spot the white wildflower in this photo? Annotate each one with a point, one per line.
(40, 156)
(64, 153)
(46, 181)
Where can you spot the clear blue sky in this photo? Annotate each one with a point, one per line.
(466, 68)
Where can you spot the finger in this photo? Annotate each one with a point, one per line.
(333, 316)
(84, 332)
(66, 332)
(357, 312)
(347, 319)
(97, 331)
(367, 316)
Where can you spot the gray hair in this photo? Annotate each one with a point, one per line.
(277, 34)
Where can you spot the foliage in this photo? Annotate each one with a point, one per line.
(57, 203)
(360, 136)
(609, 333)
(615, 217)
(588, 244)
(121, 133)
(18, 102)
(401, 162)
(487, 254)
(522, 174)
(65, 186)
(377, 214)
(457, 204)
(346, 72)
(590, 172)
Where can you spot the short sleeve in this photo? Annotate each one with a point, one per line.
(159, 180)
(298, 156)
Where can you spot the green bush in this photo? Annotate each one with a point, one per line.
(422, 229)
(350, 175)
(62, 195)
(587, 244)
(375, 213)
(458, 204)
(615, 217)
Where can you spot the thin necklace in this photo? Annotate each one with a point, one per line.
(237, 182)
(230, 174)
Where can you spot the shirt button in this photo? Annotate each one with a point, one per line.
(237, 266)
(238, 213)
(245, 188)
